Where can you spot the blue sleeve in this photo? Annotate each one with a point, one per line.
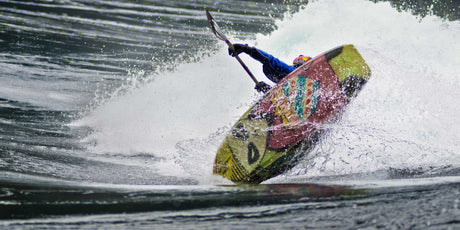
(277, 64)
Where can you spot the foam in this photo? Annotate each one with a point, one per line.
(406, 116)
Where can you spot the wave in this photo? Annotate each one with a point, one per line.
(394, 122)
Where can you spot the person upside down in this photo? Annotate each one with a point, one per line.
(273, 68)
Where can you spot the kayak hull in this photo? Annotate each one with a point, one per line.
(285, 123)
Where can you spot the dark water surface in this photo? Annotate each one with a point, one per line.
(83, 83)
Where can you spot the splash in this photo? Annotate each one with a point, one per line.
(406, 116)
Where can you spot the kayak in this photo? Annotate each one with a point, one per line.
(285, 124)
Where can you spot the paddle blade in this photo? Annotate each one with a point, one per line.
(214, 27)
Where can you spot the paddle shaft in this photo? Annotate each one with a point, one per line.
(230, 45)
(221, 36)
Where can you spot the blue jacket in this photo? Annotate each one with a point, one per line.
(273, 68)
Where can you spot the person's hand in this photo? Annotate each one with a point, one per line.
(237, 49)
(262, 87)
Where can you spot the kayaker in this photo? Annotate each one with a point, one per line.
(273, 68)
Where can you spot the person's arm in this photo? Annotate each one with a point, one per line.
(274, 68)
(277, 64)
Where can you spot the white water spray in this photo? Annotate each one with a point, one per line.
(406, 116)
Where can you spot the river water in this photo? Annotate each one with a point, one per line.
(111, 113)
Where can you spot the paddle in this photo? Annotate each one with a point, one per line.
(216, 30)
